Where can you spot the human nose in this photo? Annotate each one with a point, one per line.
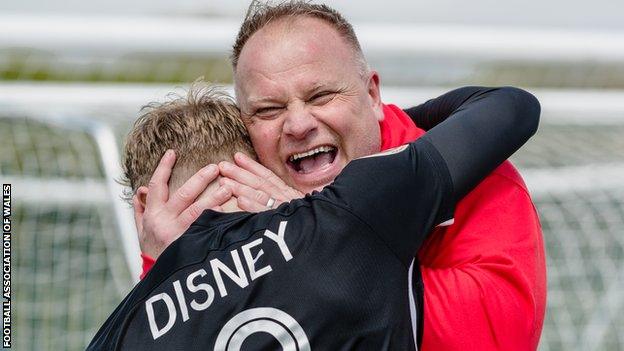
(299, 122)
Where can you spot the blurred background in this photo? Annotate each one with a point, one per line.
(73, 76)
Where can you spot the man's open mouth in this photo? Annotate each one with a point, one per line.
(312, 160)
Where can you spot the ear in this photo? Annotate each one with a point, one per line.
(374, 94)
(138, 205)
(141, 194)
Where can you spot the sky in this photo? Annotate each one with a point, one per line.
(573, 14)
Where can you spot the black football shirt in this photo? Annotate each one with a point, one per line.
(331, 271)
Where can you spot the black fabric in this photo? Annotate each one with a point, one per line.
(484, 126)
(430, 113)
(395, 200)
(337, 280)
(419, 293)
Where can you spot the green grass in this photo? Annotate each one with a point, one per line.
(40, 66)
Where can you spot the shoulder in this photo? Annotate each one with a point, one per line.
(501, 198)
(507, 174)
(328, 204)
(502, 185)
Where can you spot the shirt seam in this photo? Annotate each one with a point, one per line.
(442, 170)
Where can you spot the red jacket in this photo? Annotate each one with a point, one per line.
(484, 276)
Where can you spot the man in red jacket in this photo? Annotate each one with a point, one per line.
(484, 276)
(311, 104)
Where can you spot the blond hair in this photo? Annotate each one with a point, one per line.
(202, 127)
(261, 14)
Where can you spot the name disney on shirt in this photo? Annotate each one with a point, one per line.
(199, 295)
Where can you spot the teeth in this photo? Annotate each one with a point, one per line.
(295, 157)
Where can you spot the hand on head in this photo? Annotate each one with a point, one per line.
(254, 185)
(160, 218)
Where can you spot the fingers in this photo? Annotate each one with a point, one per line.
(249, 205)
(249, 199)
(212, 200)
(240, 175)
(249, 164)
(158, 189)
(242, 190)
(249, 179)
(188, 192)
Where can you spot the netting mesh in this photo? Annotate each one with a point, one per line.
(584, 238)
(68, 267)
(572, 145)
(583, 229)
(69, 272)
(31, 148)
(63, 269)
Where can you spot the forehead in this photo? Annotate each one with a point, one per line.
(293, 51)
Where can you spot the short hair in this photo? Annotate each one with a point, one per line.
(261, 14)
(202, 127)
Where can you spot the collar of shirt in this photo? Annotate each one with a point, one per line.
(397, 128)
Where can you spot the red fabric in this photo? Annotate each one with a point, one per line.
(397, 128)
(485, 275)
(148, 263)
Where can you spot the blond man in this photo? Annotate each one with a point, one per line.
(203, 128)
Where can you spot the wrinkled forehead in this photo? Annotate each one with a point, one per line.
(286, 50)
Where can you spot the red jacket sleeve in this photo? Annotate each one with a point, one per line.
(485, 276)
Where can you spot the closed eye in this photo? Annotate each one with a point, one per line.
(322, 98)
(267, 112)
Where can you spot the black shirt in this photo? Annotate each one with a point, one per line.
(331, 271)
